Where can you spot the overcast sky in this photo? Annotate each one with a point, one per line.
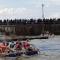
(10, 9)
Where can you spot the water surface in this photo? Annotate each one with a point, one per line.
(49, 49)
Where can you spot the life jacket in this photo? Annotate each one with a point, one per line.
(26, 45)
(3, 48)
(18, 47)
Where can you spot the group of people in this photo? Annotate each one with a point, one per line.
(17, 45)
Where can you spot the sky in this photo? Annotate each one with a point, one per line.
(27, 9)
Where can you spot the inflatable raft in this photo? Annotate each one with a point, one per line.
(10, 56)
(30, 53)
(15, 55)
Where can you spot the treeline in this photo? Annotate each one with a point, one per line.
(34, 26)
(29, 21)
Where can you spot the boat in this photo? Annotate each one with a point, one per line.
(8, 53)
(44, 35)
(10, 56)
(15, 55)
(32, 51)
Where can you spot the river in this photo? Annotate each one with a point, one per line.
(50, 49)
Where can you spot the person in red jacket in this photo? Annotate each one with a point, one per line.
(26, 45)
(19, 46)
